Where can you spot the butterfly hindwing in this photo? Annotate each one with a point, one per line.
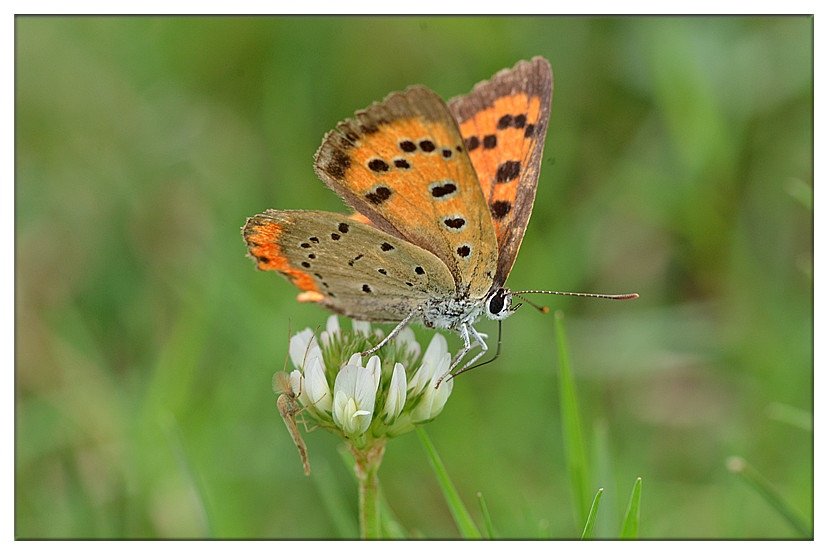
(347, 266)
(403, 165)
(503, 122)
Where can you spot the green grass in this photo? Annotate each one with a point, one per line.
(678, 164)
(593, 512)
(629, 528)
(574, 449)
(462, 518)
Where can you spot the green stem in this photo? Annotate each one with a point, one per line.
(367, 463)
(761, 484)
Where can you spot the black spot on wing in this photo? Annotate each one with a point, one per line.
(442, 189)
(378, 165)
(427, 146)
(455, 223)
(500, 208)
(378, 195)
(507, 171)
(407, 146)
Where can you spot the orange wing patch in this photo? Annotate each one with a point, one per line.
(262, 237)
(500, 140)
(503, 122)
(401, 164)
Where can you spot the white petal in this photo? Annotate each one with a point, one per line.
(362, 327)
(318, 392)
(299, 346)
(435, 353)
(355, 393)
(396, 393)
(434, 400)
(332, 325)
(303, 346)
(351, 422)
(345, 381)
(375, 366)
(407, 340)
(338, 409)
(355, 360)
(365, 392)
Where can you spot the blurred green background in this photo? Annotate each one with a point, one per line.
(678, 164)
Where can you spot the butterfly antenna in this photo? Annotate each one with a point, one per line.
(622, 297)
(543, 309)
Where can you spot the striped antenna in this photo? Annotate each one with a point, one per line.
(545, 309)
(622, 297)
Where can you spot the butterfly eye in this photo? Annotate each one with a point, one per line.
(498, 304)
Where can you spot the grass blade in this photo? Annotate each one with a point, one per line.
(740, 466)
(199, 493)
(603, 473)
(571, 421)
(629, 530)
(487, 519)
(458, 510)
(587, 533)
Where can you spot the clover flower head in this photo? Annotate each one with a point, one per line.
(367, 401)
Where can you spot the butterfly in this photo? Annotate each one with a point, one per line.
(443, 193)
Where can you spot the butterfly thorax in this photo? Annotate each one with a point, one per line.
(452, 313)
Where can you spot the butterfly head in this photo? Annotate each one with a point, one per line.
(499, 304)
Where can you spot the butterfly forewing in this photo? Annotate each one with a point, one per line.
(349, 267)
(402, 164)
(503, 122)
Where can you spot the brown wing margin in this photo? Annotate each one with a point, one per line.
(503, 122)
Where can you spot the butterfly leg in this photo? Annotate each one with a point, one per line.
(391, 335)
(467, 345)
(483, 348)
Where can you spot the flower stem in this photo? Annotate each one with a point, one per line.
(367, 463)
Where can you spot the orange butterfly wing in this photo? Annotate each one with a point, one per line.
(402, 165)
(503, 122)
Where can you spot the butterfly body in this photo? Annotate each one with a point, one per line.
(443, 194)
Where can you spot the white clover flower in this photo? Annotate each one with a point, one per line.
(331, 330)
(375, 367)
(356, 359)
(310, 385)
(315, 385)
(303, 346)
(433, 400)
(436, 351)
(354, 397)
(344, 399)
(406, 340)
(396, 394)
(362, 327)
